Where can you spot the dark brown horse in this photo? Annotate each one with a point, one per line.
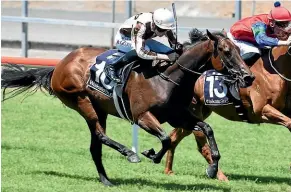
(152, 99)
(268, 100)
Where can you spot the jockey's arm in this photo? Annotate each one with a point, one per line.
(138, 41)
(259, 31)
(173, 40)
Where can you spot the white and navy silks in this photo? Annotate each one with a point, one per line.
(137, 33)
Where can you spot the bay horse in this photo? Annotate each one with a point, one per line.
(152, 99)
(267, 100)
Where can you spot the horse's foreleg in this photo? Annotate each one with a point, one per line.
(215, 155)
(96, 123)
(96, 153)
(176, 136)
(205, 151)
(150, 124)
(272, 115)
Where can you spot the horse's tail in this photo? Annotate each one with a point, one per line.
(23, 79)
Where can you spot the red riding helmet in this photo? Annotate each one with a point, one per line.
(279, 13)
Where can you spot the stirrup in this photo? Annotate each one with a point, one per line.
(111, 74)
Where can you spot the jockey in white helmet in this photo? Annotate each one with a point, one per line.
(134, 38)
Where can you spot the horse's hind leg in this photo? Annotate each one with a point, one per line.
(150, 124)
(176, 136)
(205, 151)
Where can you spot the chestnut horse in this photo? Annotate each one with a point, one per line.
(267, 100)
(153, 99)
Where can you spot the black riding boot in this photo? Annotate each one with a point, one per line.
(111, 69)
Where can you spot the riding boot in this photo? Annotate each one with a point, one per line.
(111, 69)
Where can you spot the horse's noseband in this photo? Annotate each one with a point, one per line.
(222, 59)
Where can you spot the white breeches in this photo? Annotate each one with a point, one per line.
(124, 44)
(245, 47)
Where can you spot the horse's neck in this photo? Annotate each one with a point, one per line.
(281, 61)
(192, 59)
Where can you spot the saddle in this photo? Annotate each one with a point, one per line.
(100, 82)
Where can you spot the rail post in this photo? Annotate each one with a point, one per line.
(238, 10)
(24, 26)
(113, 21)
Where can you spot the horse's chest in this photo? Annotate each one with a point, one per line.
(271, 89)
(288, 100)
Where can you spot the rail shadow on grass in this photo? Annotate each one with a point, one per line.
(260, 179)
(9, 147)
(139, 181)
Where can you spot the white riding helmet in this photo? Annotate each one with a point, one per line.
(164, 19)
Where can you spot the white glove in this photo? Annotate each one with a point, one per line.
(163, 57)
(287, 42)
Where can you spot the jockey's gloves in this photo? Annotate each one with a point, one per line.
(287, 42)
(163, 57)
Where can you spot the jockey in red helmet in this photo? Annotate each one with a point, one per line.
(255, 32)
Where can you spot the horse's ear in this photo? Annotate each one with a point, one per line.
(215, 39)
(211, 36)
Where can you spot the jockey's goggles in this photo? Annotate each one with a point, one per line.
(161, 30)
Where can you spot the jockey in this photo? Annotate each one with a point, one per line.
(134, 38)
(255, 32)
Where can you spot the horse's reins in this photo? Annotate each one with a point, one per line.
(271, 63)
(167, 78)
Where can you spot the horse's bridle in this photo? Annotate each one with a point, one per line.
(223, 62)
(289, 50)
(271, 63)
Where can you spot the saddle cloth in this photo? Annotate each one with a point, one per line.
(98, 80)
(215, 89)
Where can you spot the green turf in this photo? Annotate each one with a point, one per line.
(45, 148)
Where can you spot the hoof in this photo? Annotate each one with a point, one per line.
(149, 153)
(133, 158)
(211, 171)
(106, 182)
(156, 161)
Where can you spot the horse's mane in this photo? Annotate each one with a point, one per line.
(196, 36)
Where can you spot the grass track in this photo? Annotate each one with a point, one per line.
(45, 147)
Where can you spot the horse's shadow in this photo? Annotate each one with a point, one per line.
(133, 181)
(260, 179)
